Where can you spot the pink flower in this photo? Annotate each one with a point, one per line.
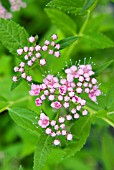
(62, 90)
(94, 93)
(56, 105)
(38, 102)
(51, 81)
(71, 73)
(54, 37)
(31, 39)
(44, 120)
(35, 90)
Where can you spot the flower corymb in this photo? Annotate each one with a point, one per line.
(66, 93)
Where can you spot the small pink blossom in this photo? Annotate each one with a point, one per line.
(56, 105)
(54, 37)
(38, 102)
(29, 78)
(69, 136)
(20, 51)
(38, 47)
(61, 119)
(57, 54)
(62, 90)
(43, 62)
(14, 78)
(56, 142)
(31, 39)
(44, 120)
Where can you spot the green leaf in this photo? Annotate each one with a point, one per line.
(99, 69)
(80, 130)
(107, 152)
(24, 118)
(42, 152)
(87, 4)
(67, 41)
(97, 40)
(69, 6)
(62, 21)
(12, 35)
(110, 99)
(15, 84)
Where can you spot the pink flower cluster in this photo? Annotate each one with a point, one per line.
(16, 5)
(32, 55)
(66, 93)
(55, 128)
(4, 13)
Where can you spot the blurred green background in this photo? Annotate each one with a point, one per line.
(17, 145)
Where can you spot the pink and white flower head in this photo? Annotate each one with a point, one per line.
(35, 90)
(94, 93)
(42, 62)
(56, 105)
(44, 121)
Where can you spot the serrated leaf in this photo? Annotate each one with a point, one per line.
(42, 152)
(67, 41)
(62, 21)
(80, 130)
(69, 6)
(24, 118)
(12, 35)
(97, 40)
(99, 69)
(87, 4)
(15, 84)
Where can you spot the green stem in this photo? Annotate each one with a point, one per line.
(108, 121)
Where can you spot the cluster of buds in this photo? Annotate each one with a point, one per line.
(4, 13)
(32, 56)
(66, 93)
(55, 128)
(16, 5)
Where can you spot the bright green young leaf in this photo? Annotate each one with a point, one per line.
(80, 130)
(15, 84)
(12, 35)
(67, 41)
(87, 4)
(97, 40)
(99, 69)
(24, 118)
(69, 6)
(62, 21)
(43, 150)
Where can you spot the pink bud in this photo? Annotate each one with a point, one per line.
(48, 131)
(30, 63)
(31, 49)
(73, 111)
(66, 104)
(53, 123)
(64, 132)
(50, 52)
(29, 78)
(61, 119)
(23, 75)
(26, 57)
(57, 46)
(22, 64)
(42, 62)
(25, 49)
(16, 69)
(31, 39)
(69, 136)
(68, 117)
(20, 51)
(14, 78)
(56, 142)
(54, 37)
(38, 102)
(57, 54)
(45, 48)
(38, 48)
(51, 97)
(38, 55)
(47, 42)
(76, 116)
(84, 112)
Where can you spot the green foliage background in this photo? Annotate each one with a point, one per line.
(93, 22)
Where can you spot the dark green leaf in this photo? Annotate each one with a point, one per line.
(99, 69)
(87, 4)
(42, 152)
(67, 41)
(12, 35)
(15, 84)
(24, 118)
(62, 21)
(81, 130)
(69, 6)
